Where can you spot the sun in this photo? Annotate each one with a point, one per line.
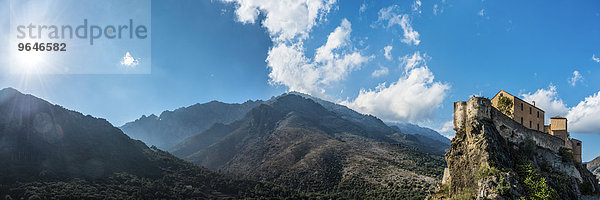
(30, 62)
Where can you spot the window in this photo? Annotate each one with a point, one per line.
(530, 124)
(501, 95)
(521, 120)
(578, 144)
(521, 106)
(530, 110)
(538, 114)
(538, 127)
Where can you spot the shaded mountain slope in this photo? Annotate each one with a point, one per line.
(48, 152)
(41, 140)
(172, 127)
(298, 143)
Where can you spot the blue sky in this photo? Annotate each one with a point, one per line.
(438, 52)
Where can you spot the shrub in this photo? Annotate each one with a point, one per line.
(487, 171)
(565, 154)
(535, 187)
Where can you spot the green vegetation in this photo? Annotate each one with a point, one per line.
(503, 187)
(181, 180)
(535, 186)
(505, 105)
(566, 154)
(467, 194)
(487, 171)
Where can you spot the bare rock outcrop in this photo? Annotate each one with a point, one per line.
(494, 157)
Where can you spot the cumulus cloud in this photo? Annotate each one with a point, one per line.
(393, 17)
(387, 52)
(585, 116)
(414, 97)
(129, 60)
(547, 100)
(481, 12)
(289, 23)
(582, 118)
(575, 78)
(290, 67)
(380, 72)
(595, 59)
(412, 61)
(284, 19)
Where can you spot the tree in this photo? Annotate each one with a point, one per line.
(505, 105)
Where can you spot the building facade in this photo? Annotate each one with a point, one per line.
(532, 117)
(521, 111)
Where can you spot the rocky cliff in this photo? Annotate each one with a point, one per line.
(494, 157)
(594, 167)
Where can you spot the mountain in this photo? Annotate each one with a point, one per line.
(594, 167)
(49, 152)
(298, 143)
(494, 157)
(172, 127)
(40, 140)
(413, 129)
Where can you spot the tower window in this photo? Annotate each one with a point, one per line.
(538, 114)
(530, 124)
(530, 110)
(538, 127)
(521, 120)
(521, 106)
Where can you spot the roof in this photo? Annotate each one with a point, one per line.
(558, 117)
(519, 99)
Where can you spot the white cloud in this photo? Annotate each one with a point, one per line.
(414, 97)
(284, 19)
(380, 72)
(290, 67)
(393, 17)
(417, 6)
(289, 23)
(585, 116)
(129, 60)
(388, 52)
(595, 59)
(547, 100)
(446, 127)
(481, 12)
(439, 8)
(575, 78)
(436, 9)
(582, 118)
(362, 8)
(412, 61)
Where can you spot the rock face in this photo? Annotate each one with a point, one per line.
(594, 167)
(494, 157)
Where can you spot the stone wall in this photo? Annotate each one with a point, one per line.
(478, 108)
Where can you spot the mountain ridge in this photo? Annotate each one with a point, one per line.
(49, 152)
(298, 143)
